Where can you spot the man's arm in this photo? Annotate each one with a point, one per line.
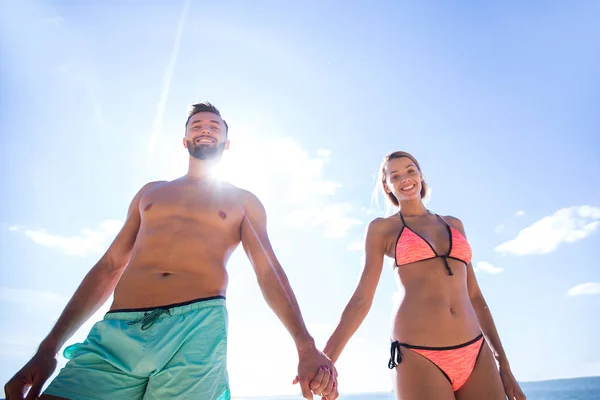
(99, 283)
(277, 292)
(271, 278)
(93, 291)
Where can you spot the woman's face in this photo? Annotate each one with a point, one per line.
(403, 179)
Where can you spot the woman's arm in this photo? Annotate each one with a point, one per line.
(486, 322)
(488, 327)
(360, 303)
(484, 315)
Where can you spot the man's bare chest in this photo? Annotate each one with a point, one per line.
(206, 205)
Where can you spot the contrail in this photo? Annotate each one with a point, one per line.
(160, 108)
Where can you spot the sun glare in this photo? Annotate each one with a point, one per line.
(220, 172)
(242, 167)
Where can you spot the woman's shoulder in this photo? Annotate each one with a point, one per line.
(454, 222)
(384, 224)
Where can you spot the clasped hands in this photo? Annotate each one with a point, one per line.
(317, 375)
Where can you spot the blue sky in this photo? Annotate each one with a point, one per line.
(497, 100)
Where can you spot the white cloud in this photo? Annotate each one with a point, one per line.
(13, 228)
(285, 175)
(246, 382)
(566, 225)
(290, 180)
(359, 351)
(484, 266)
(371, 211)
(519, 213)
(499, 228)
(90, 241)
(334, 219)
(320, 332)
(357, 245)
(589, 288)
(324, 153)
(287, 178)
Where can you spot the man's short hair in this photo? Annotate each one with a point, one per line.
(204, 107)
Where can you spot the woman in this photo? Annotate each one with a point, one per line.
(444, 340)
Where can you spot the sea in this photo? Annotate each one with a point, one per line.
(560, 389)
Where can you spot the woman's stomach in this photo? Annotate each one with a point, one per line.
(435, 311)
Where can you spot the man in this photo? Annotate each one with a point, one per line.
(165, 336)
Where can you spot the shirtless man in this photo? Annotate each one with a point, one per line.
(165, 336)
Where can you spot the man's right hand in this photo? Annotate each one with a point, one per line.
(32, 376)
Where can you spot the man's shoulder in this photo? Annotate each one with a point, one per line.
(247, 198)
(151, 185)
(154, 184)
(146, 188)
(244, 198)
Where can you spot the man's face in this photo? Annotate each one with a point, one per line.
(206, 136)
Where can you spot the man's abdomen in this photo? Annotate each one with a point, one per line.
(149, 287)
(168, 266)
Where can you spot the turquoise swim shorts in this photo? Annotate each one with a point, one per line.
(177, 351)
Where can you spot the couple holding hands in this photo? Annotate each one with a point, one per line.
(165, 335)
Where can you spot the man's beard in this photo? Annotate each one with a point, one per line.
(204, 151)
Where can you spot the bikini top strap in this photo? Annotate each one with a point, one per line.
(402, 218)
(441, 219)
(449, 228)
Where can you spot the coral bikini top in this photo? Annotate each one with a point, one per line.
(412, 247)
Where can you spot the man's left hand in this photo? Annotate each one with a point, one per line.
(317, 374)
